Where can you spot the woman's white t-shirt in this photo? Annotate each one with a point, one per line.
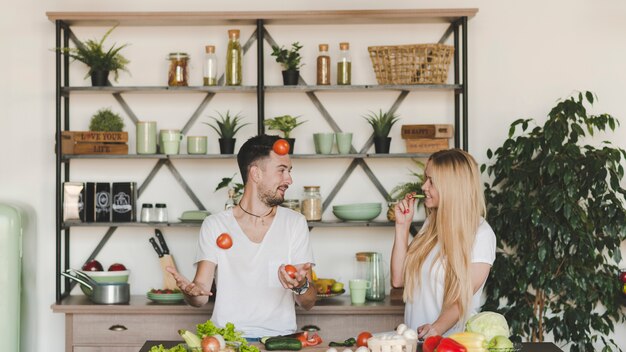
(249, 293)
(428, 297)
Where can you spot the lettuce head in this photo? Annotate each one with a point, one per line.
(490, 324)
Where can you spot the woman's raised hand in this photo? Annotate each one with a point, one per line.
(405, 209)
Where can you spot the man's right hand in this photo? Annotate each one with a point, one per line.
(189, 288)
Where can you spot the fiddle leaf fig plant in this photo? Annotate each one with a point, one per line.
(557, 207)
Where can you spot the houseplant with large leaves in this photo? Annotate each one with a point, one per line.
(557, 207)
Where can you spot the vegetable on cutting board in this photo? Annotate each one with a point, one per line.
(283, 343)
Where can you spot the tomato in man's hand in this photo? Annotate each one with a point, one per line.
(281, 147)
(361, 340)
(224, 241)
(291, 270)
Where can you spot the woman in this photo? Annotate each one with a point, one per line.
(443, 270)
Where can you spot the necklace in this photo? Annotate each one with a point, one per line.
(257, 216)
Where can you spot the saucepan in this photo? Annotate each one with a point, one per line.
(102, 293)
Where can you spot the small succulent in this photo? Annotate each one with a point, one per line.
(105, 120)
(226, 125)
(381, 122)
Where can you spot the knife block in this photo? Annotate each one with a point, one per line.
(168, 279)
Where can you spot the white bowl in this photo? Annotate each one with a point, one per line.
(108, 276)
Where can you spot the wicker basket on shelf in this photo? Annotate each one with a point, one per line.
(411, 64)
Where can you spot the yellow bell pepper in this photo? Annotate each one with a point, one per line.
(474, 342)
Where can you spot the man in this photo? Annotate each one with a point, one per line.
(254, 290)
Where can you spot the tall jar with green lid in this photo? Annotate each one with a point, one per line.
(233, 59)
(312, 203)
(178, 74)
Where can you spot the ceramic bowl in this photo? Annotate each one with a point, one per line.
(358, 206)
(103, 277)
(365, 214)
(194, 215)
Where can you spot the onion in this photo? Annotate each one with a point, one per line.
(220, 338)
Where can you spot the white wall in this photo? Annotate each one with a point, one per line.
(523, 57)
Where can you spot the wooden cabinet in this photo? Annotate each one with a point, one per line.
(90, 327)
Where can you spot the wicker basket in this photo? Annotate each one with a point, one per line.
(411, 64)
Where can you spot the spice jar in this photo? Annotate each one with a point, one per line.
(146, 213)
(344, 65)
(323, 66)
(233, 59)
(160, 212)
(312, 203)
(293, 204)
(177, 74)
(210, 66)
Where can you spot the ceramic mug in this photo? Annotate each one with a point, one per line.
(358, 287)
(344, 142)
(323, 142)
(171, 147)
(196, 144)
(168, 136)
(146, 137)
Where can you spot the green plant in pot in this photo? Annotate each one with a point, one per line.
(226, 127)
(105, 120)
(381, 122)
(285, 124)
(99, 60)
(236, 187)
(557, 207)
(402, 189)
(290, 59)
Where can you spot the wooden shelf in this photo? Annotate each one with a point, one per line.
(361, 88)
(234, 156)
(157, 89)
(270, 17)
(330, 223)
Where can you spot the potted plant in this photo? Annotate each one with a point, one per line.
(381, 123)
(236, 187)
(100, 62)
(285, 124)
(399, 191)
(290, 60)
(557, 206)
(227, 127)
(105, 120)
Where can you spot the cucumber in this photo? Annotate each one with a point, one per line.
(263, 339)
(283, 343)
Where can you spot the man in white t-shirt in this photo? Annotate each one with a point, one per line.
(253, 289)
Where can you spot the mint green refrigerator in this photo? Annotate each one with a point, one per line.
(10, 272)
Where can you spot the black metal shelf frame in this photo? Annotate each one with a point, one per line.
(64, 34)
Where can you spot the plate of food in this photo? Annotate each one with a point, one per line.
(166, 296)
(331, 294)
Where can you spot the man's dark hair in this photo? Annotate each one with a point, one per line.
(255, 148)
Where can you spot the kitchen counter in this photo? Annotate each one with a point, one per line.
(124, 328)
(526, 346)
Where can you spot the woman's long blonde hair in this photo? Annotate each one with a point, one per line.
(452, 226)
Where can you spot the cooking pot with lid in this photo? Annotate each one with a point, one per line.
(102, 293)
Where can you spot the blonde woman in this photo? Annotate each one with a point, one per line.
(444, 268)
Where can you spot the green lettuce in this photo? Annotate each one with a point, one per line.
(160, 348)
(490, 324)
(228, 333)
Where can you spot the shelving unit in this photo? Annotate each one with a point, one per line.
(456, 18)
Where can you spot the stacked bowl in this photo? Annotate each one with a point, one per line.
(106, 277)
(358, 211)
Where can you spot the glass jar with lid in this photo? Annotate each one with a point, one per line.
(178, 74)
(293, 204)
(312, 203)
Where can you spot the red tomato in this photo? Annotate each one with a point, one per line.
(224, 241)
(210, 344)
(622, 276)
(291, 270)
(361, 340)
(281, 147)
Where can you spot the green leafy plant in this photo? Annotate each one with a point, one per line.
(381, 122)
(285, 124)
(92, 54)
(105, 120)
(288, 58)
(557, 208)
(228, 182)
(227, 125)
(415, 185)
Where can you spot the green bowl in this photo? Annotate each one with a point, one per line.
(358, 206)
(103, 277)
(357, 215)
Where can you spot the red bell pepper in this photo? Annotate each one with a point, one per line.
(431, 343)
(307, 340)
(449, 345)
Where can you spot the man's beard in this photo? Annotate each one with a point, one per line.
(271, 199)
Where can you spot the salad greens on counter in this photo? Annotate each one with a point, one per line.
(160, 348)
(209, 329)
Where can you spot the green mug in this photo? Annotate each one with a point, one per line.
(323, 142)
(146, 137)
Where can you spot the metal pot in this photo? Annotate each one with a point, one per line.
(103, 293)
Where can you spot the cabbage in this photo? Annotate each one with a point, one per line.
(490, 324)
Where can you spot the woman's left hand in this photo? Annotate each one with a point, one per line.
(404, 210)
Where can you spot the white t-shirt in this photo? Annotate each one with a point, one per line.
(428, 298)
(249, 293)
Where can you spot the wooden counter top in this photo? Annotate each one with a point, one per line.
(139, 304)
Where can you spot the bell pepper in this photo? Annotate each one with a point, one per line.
(449, 345)
(473, 341)
(431, 343)
(307, 339)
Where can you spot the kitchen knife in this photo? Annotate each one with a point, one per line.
(156, 247)
(159, 236)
